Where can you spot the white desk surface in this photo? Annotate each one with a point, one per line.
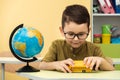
(116, 60)
(10, 60)
(45, 75)
(54, 75)
(13, 60)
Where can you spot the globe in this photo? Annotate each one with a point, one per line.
(25, 43)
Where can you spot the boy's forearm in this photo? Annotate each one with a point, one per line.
(107, 65)
(47, 65)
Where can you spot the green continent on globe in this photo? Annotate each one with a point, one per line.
(21, 47)
(36, 33)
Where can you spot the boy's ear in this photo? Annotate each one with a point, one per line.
(61, 31)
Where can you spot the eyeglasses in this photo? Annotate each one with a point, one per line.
(71, 35)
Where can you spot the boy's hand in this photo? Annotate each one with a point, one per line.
(63, 65)
(91, 61)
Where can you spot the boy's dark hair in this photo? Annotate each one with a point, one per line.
(76, 13)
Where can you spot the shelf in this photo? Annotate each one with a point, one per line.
(100, 19)
(95, 14)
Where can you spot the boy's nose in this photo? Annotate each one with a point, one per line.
(76, 38)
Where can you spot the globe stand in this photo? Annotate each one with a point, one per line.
(27, 68)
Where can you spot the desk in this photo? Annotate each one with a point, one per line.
(116, 60)
(54, 75)
(10, 60)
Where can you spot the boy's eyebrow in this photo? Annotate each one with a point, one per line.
(82, 32)
(78, 32)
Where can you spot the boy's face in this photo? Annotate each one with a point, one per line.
(75, 34)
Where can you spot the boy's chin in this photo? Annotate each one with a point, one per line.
(75, 46)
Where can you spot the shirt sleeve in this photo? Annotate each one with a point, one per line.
(98, 52)
(51, 54)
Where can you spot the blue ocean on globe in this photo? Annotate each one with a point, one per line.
(27, 42)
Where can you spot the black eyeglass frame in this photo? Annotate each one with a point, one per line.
(76, 35)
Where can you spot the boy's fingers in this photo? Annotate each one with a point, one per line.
(85, 60)
(70, 59)
(69, 62)
(67, 69)
(92, 64)
(97, 65)
(89, 61)
(63, 70)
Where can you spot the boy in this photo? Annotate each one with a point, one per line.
(75, 29)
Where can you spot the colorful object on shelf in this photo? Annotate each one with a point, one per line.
(97, 38)
(79, 66)
(115, 40)
(115, 31)
(116, 5)
(106, 6)
(115, 35)
(96, 8)
(106, 38)
(106, 29)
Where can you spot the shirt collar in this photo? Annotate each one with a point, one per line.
(71, 48)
